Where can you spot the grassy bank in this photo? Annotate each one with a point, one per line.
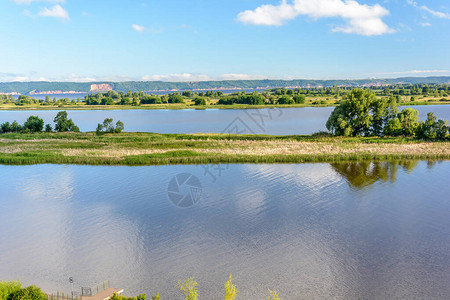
(160, 149)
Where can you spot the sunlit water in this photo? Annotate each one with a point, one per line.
(277, 121)
(348, 231)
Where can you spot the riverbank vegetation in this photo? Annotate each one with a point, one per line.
(36, 124)
(406, 94)
(160, 149)
(362, 113)
(13, 291)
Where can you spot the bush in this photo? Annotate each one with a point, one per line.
(432, 128)
(108, 127)
(200, 101)
(33, 124)
(176, 98)
(231, 290)
(189, 287)
(299, 99)
(13, 291)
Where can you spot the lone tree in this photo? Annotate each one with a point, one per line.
(63, 123)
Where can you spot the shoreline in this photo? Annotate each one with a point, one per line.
(146, 149)
(186, 107)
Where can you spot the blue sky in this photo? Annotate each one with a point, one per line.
(179, 40)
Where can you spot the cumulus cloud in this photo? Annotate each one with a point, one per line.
(360, 18)
(433, 12)
(55, 11)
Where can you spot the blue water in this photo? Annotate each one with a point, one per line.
(309, 231)
(275, 121)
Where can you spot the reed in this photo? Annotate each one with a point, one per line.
(140, 149)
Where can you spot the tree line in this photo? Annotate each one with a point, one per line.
(399, 93)
(62, 124)
(361, 113)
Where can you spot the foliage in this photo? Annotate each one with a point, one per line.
(231, 290)
(33, 124)
(108, 127)
(273, 295)
(63, 123)
(13, 291)
(8, 288)
(432, 128)
(115, 296)
(189, 288)
(200, 101)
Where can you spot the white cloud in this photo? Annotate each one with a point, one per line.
(360, 18)
(269, 14)
(28, 2)
(55, 11)
(177, 77)
(435, 13)
(242, 77)
(425, 24)
(415, 72)
(140, 28)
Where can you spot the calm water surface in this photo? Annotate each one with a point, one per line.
(366, 231)
(284, 121)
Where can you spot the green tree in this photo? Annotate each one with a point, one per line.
(119, 127)
(33, 124)
(353, 116)
(409, 118)
(393, 127)
(299, 99)
(63, 123)
(15, 127)
(5, 127)
(200, 101)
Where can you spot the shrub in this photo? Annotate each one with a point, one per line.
(273, 295)
(189, 287)
(108, 127)
(33, 124)
(230, 290)
(299, 99)
(200, 101)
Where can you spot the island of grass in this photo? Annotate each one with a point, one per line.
(160, 149)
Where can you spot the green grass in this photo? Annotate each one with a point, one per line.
(162, 149)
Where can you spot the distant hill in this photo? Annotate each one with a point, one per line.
(148, 86)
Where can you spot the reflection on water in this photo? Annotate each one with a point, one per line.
(306, 230)
(366, 173)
